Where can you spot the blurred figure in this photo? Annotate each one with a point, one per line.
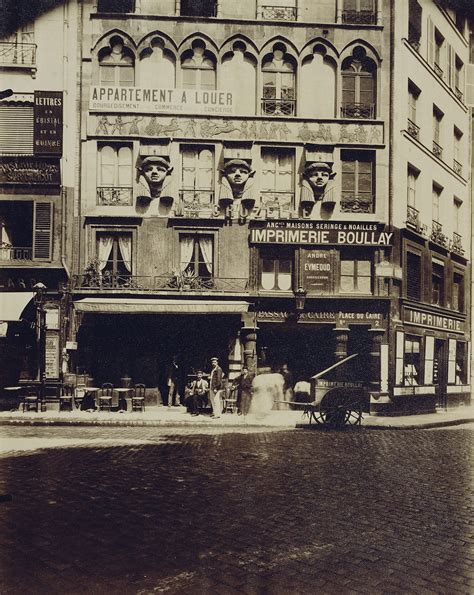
(243, 384)
(173, 379)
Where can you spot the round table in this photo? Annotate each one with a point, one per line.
(121, 397)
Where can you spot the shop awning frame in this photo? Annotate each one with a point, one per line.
(157, 306)
(13, 303)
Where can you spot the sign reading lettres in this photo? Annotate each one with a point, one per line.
(48, 123)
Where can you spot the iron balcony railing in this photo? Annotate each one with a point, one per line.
(457, 167)
(456, 244)
(167, 283)
(459, 94)
(15, 253)
(363, 111)
(437, 234)
(437, 150)
(413, 217)
(279, 13)
(114, 196)
(279, 107)
(359, 17)
(412, 129)
(17, 54)
(277, 201)
(357, 203)
(414, 42)
(438, 70)
(195, 202)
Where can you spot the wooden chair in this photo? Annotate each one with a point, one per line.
(138, 397)
(66, 398)
(106, 396)
(80, 389)
(31, 399)
(229, 400)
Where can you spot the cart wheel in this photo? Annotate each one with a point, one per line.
(354, 416)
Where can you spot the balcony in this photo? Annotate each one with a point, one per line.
(359, 17)
(457, 167)
(353, 203)
(17, 54)
(279, 13)
(438, 70)
(277, 203)
(279, 107)
(413, 130)
(415, 43)
(362, 111)
(173, 282)
(456, 244)
(413, 218)
(195, 203)
(459, 94)
(437, 150)
(114, 196)
(437, 234)
(14, 253)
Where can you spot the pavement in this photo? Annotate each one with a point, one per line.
(235, 511)
(178, 417)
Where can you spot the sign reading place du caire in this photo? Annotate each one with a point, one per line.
(157, 101)
(321, 233)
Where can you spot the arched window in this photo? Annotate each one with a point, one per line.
(318, 84)
(157, 65)
(198, 67)
(279, 83)
(114, 185)
(116, 65)
(238, 75)
(358, 86)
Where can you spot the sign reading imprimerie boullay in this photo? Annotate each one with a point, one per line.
(321, 233)
(48, 123)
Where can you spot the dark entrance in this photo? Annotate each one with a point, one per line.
(439, 372)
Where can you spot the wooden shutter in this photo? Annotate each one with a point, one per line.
(413, 276)
(42, 234)
(430, 41)
(16, 129)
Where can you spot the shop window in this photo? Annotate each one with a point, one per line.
(413, 276)
(412, 361)
(196, 255)
(356, 273)
(276, 272)
(358, 86)
(197, 178)
(279, 89)
(198, 8)
(358, 185)
(461, 363)
(114, 253)
(278, 179)
(458, 292)
(414, 24)
(198, 67)
(115, 175)
(116, 65)
(437, 282)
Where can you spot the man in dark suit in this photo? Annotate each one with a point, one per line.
(243, 383)
(215, 387)
(197, 394)
(173, 382)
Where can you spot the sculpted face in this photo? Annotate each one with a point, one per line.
(319, 178)
(154, 173)
(237, 175)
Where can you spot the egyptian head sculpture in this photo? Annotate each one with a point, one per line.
(154, 174)
(237, 178)
(316, 186)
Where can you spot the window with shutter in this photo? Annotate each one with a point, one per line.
(358, 181)
(413, 278)
(42, 238)
(16, 129)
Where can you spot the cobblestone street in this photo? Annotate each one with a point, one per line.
(148, 510)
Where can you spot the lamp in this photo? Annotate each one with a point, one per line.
(39, 293)
(300, 299)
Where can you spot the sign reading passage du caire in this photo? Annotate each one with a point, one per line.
(158, 101)
(316, 233)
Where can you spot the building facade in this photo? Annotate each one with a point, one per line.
(37, 121)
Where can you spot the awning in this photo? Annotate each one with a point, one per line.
(155, 306)
(13, 303)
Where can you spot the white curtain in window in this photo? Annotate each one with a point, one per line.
(187, 247)
(125, 244)
(206, 247)
(104, 250)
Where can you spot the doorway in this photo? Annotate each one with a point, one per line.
(439, 373)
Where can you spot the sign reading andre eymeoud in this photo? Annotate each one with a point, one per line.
(315, 233)
(48, 123)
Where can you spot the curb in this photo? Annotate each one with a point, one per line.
(420, 426)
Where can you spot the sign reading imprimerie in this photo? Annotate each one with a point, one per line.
(158, 101)
(316, 233)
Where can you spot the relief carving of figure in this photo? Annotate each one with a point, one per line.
(315, 186)
(154, 174)
(237, 181)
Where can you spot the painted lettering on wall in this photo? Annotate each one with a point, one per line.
(431, 320)
(48, 123)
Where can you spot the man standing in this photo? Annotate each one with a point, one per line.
(243, 383)
(215, 386)
(173, 378)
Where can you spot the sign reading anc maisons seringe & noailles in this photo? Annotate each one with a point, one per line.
(321, 233)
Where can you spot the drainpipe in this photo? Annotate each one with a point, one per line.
(65, 92)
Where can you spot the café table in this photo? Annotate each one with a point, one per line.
(92, 391)
(122, 393)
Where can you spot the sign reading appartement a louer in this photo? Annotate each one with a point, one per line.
(432, 320)
(30, 170)
(314, 233)
(48, 123)
(156, 101)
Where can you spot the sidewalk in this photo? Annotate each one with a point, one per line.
(177, 417)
